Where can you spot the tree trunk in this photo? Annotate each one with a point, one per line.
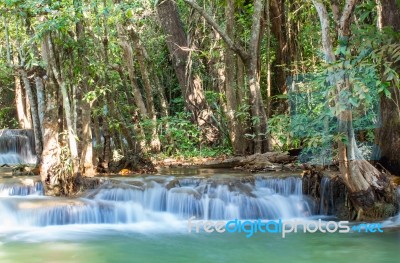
(268, 56)
(20, 102)
(235, 130)
(256, 100)
(28, 110)
(51, 150)
(387, 136)
(164, 106)
(106, 154)
(179, 50)
(7, 36)
(242, 104)
(366, 185)
(155, 144)
(19, 94)
(97, 138)
(282, 55)
(40, 96)
(83, 108)
(73, 147)
(128, 60)
(34, 113)
(40, 100)
(251, 61)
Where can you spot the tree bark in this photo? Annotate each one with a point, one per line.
(155, 144)
(282, 53)
(106, 154)
(34, 112)
(40, 96)
(73, 147)
(40, 100)
(256, 100)
(191, 88)
(251, 60)
(366, 185)
(83, 108)
(387, 136)
(20, 102)
(51, 150)
(7, 36)
(235, 132)
(128, 60)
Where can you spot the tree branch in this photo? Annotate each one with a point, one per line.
(325, 29)
(344, 25)
(238, 49)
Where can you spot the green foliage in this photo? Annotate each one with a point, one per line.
(278, 126)
(366, 62)
(180, 137)
(6, 118)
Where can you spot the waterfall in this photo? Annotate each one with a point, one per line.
(17, 146)
(326, 205)
(125, 201)
(15, 189)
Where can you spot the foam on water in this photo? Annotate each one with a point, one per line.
(15, 189)
(17, 146)
(157, 200)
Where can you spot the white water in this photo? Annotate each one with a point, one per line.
(17, 189)
(152, 199)
(326, 193)
(17, 146)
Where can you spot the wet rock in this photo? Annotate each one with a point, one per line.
(272, 161)
(223, 164)
(187, 191)
(132, 163)
(335, 202)
(172, 184)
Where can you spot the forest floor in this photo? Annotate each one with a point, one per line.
(270, 161)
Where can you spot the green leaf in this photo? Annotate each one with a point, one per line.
(387, 93)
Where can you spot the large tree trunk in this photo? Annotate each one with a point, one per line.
(51, 149)
(243, 102)
(387, 135)
(83, 108)
(155, 144)
(251, 61)
(128, 60)
(278, 28)
(106, 154)
(235, 129)
(366, 185)
(19, 93)
(256, 100)
(34, 112)
(179, 50)
(56, 70)
(38, 101)
(20, 103)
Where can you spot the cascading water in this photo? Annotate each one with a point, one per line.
(326, 205)
(17, 146)
(158, 199)
(15, 189)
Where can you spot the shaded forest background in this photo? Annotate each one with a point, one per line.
(98, 80)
